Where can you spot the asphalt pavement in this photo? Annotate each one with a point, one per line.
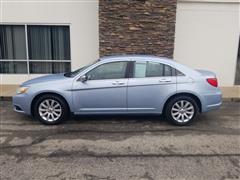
(120, 147)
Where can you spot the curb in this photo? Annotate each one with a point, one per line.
(237, 99)
(5, 98)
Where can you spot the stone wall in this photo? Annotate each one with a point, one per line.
(137, 27)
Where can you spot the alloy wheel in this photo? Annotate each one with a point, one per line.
(50, 110)
(182, 111)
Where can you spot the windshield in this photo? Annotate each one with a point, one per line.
(74, 73)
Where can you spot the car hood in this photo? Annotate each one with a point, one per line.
(47, 78)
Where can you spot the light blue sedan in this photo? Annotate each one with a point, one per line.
(133, 84)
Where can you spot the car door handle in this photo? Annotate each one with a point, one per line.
(165, 80)
(118, 83)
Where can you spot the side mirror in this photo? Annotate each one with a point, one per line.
(83, 78)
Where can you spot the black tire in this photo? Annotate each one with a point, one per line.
(172, 103)
(63, 106)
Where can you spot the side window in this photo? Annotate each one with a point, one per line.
(178, 73)
(168, 70)
(139, 69)
(114, 70)
(152, 69)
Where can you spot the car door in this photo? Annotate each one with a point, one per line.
(104, 91)
(150, 85)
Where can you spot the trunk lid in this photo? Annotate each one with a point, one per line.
(210, 77)
(207, 74)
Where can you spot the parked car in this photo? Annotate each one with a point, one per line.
(133, 84)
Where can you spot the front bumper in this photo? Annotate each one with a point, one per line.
(22, 103)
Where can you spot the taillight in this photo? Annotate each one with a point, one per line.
(213, 81)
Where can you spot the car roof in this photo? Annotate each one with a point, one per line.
(136, 57)
(153, 58)
(114, 58)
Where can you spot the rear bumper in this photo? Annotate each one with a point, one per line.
(212, 101)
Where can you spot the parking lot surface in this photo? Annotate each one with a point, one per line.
(121, 147)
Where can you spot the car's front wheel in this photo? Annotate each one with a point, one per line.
(50, 109)
(181, 110)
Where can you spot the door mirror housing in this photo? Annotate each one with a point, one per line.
(83, 78)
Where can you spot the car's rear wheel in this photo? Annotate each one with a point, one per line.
(181, 110)
(50, 109)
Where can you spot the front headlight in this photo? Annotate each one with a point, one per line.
(22, 90)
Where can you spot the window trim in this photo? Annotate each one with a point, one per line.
(131, 68)
(126, 76)
(173, 70)
(237, 70)
(176, 74)
(27, 60)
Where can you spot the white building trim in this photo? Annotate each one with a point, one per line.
(80, 15)
(207, 35)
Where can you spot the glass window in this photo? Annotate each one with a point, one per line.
(115, 70)
(168, 70)
(178, 73)
(154, 69)
(49, 42)
(140, 70)
(12, 42)
(48, 49)
(13, 67)
(49, 67)
(151, 69)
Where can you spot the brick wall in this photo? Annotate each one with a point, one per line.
(137, 27)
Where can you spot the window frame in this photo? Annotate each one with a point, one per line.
(173, 69)
(127, 70)
(27, 60)
(237, 68)
(146, 61)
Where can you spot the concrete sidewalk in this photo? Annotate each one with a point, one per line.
(228, 92)
(8, 90)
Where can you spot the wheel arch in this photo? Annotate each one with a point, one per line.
(195, 97)
(47, 93)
